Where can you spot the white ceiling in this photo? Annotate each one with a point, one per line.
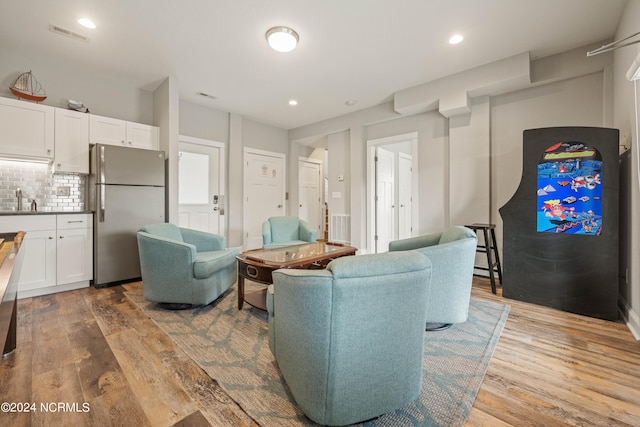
(363, 50)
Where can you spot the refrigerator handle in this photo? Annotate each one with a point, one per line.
(101, 165)
(101, 189)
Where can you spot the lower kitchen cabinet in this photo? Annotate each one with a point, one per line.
(58, 252)
(74, 248)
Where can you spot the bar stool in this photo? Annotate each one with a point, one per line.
(489, 247)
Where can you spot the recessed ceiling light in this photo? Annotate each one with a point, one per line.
(455, 39)
(282, 39)
(293, 102)
(87, 23)
(350, 103)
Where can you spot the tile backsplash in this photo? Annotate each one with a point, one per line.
(37, 182)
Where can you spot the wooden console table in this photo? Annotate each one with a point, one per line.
(257, 265)
(10, 266)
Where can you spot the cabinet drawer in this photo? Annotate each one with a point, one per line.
(9, 223)
(69, 221)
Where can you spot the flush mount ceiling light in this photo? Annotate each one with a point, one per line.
(293, 102)
(282, 39)
(455, 39)
(87, 23)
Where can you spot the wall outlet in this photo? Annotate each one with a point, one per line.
(63, 191)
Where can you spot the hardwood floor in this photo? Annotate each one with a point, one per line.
(95, 353)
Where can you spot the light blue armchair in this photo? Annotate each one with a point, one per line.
(349, 340)
(280, 231)
(182, 266)
(452, 254)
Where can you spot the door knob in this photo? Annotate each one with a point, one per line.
(215, 208)
(279, 206)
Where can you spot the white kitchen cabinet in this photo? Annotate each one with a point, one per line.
(74, 249)
(142, 136)
(105, 130)
(71, 141)
(26, 129)
(58, 251)
(39, 264)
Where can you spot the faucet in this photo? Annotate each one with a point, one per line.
(19, 196)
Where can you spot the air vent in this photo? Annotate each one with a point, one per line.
(63, 31)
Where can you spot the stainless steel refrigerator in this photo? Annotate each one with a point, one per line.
(126, 192)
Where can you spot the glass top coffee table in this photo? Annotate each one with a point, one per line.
(257, 265)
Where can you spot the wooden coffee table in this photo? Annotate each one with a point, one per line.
(257, 265)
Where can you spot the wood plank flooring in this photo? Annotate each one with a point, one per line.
(97, 354)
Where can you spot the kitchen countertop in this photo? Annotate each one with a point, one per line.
(44, 212)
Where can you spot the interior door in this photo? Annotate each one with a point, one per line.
(405, 167)
(385, 206)
(264, 189)
(200, 186)
(309, 194)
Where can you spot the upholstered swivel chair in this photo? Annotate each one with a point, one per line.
(349, 340)
(452, 254)
(182, 267)
(280, 231)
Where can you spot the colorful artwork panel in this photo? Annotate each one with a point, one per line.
(570, 190)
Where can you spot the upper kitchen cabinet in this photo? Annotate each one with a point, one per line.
(142, 136)
(72, 141)
(105, 130)
(26, 129)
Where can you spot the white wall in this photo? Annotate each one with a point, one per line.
(625, 118)
(433, 152)
(202, 122)
(339, 201)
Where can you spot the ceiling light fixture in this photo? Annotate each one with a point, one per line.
(455, 39)
(87, 23)
(350, 103)
(282, 39)
(293, 102)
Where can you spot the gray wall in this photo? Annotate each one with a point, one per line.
(103, 95)
(626, 120)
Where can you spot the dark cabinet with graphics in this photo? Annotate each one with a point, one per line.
(560, 228)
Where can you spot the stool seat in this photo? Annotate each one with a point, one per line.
(490, 248)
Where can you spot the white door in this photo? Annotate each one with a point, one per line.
(404, 195)
(200, 185)
(385, 200)
(264, 190)
(309, 194)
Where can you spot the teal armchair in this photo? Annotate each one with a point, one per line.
(183, 266)
(280, 231)
(452, 254)
(349, 340)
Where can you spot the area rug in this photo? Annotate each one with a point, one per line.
(231, 345)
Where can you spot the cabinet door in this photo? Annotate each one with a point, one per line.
(26, 129)
(105, 130)
(75, 260)
(71, 141)
(39, 263)
(142, 136)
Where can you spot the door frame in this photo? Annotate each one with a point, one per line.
(320, 188)
(221, 174)
(255, 151)
(371, 182)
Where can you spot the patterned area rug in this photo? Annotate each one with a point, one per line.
(232, 347)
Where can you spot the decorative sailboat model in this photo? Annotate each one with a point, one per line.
(26, 86)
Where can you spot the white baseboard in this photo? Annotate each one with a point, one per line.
(52, 289)
(631, 318)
